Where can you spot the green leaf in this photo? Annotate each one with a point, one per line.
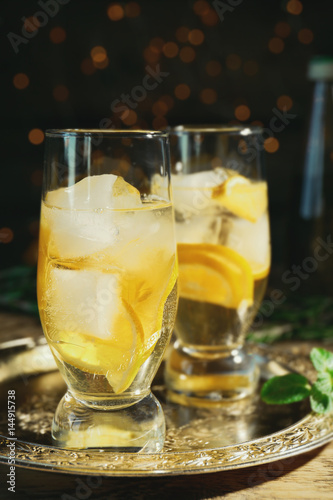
(324, 383)
(321, 359)
(320, 402)
(286, 389)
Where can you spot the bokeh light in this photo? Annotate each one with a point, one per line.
(168, 100)
(201, 7)
(284, 102)
(98, 54)
(170, 49)
(132, 9)
(187, 54)
(31, 24)
(115, 12)
(57, 35)
(60, 93)
(6, 235)
(160, 122)
(21, 81)
(233, 61)
(305, 36)
(276, 45)
(182, 34)
(294, 7)
(242, 112)
(36, 136)
(210, 17)
(130, 118)
(160, 108)
(271, 144)
(213, 68)
(208, 96)
(182, 91)
(87, 66)
(282, 29)
(250, 68)
(196, 37)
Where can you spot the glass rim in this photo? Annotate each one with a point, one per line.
(242, 130)
(79, 132)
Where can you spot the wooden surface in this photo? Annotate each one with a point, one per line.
(307, 476)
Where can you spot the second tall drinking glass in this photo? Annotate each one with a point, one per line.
(222, 231)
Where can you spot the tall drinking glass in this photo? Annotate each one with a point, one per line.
(222, 231)
(107, 283)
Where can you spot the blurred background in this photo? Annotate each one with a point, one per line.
(83, 64)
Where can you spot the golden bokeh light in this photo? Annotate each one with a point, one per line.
(213, 68)
(208, 96)
(98, 54)
(168, 100)
(294, 7)
(282, 29)
(115, 12)
(160, 108)
(60, 93)
(257, 123)
(130, 118)
(276, 45)
(57, 35)
(103, 64)
(160, 122)
(182, 34)
(271, 144)
(187, 54)
(284, 102)
(87, 66)
(31, 24)
(151, 55)
(233, 62)
(182, 91)
(305, 36)
(196, 37)
(170, 49)
(132, 9)
(21, 81)
(251, 68)
(6, 235)
(210, 17)
(157, 44)
(242, 112)
(201, 7)
(36, 136)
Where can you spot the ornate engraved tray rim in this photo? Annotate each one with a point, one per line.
(309, 432)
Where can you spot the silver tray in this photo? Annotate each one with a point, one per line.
(198, 440)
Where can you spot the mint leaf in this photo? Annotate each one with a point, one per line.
(286, 389)
(320, 401)
(321, 359)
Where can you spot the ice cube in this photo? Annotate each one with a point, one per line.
(82, 301)
(192, 193)
(96, 192)
(80, 219)
(251, 239)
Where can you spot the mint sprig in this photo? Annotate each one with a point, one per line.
(293, 387)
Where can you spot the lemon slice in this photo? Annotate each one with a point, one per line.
(117, 357)
(259, 270)
(214, 274)
(242, 197)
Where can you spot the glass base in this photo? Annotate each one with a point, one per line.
(209, 378)
(137, 428)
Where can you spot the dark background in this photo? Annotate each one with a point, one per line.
(260, 50)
